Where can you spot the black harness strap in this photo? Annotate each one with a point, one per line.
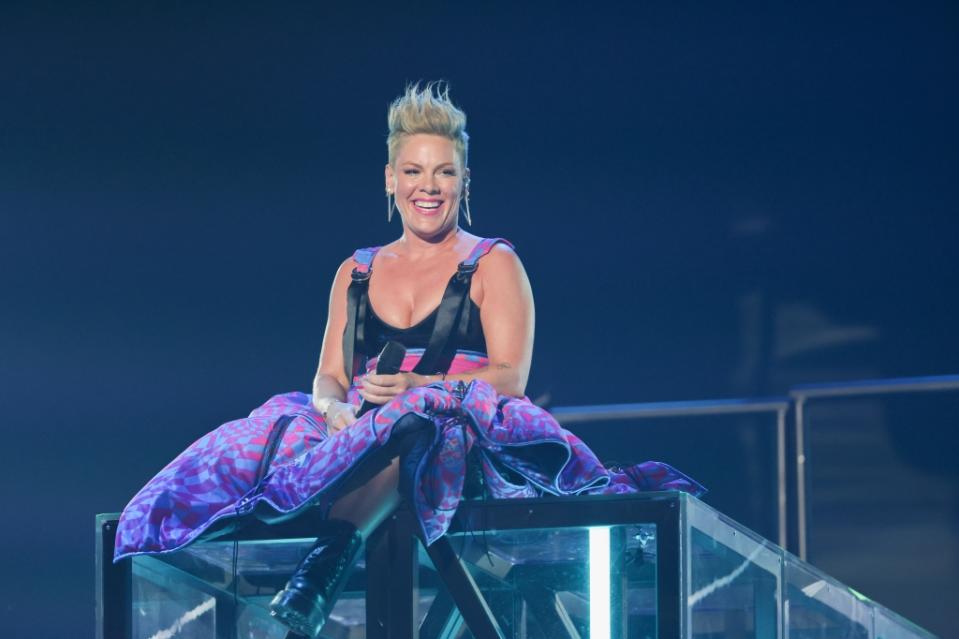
(357, 299)
(452, 316)
(355, 319)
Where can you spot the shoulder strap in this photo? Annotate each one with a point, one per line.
(452, 317)
(483, 247)
(364, 259)
(356, 302)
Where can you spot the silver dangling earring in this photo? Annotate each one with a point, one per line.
(466, 194)
(389, 205)
(469, 219)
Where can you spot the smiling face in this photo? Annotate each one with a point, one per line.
(427, 180)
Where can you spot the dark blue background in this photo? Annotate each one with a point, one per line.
(701, 193)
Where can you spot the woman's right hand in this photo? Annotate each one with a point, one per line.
(339, 415)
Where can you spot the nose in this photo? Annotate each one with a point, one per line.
(429, 185)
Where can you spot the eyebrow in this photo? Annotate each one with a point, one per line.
(439, 166)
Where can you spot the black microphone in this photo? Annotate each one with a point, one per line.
(388, 363)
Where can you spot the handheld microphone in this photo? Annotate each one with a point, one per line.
(388, 363)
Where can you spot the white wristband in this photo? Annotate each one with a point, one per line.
(323, 404)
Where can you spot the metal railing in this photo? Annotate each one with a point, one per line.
(566, 415)
(799, 396)
(803, 393)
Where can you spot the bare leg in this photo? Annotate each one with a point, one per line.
(368, 505)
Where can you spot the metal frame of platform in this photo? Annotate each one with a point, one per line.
(393, 562)
(392, 565)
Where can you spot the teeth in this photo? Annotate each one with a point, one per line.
(427, 205)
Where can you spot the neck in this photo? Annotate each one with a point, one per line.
(415, 246)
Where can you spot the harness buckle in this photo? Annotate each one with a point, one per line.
(466, 269)
(360, 276)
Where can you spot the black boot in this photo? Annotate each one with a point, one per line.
(308, 598)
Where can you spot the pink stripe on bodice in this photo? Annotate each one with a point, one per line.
(463, 362)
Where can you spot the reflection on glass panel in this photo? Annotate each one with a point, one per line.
(818, 607)
(553, 583)
(734, 587)
(891, 626)
(163, 609)
(192, 593)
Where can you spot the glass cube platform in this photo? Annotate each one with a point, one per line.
(638, 566)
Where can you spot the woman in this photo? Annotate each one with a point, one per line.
(463, 309)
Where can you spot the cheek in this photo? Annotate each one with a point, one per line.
(454, 188)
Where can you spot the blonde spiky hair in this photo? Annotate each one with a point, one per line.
(426, 110)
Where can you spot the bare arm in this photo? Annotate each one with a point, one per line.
(330, 383)
(508, 318)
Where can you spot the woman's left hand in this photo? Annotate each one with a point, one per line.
(379, 389)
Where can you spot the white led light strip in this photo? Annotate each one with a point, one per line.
(599, 603)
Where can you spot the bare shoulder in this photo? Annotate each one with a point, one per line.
(501, 273)
(343, 274)
(501, 260)
(345, 268)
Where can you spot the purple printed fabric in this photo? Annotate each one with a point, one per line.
(523, 451)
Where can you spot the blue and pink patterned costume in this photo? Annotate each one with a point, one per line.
(522, 450)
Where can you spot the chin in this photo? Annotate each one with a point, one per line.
(430, 226)
(432, 230)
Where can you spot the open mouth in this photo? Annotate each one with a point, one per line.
(428, 207)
